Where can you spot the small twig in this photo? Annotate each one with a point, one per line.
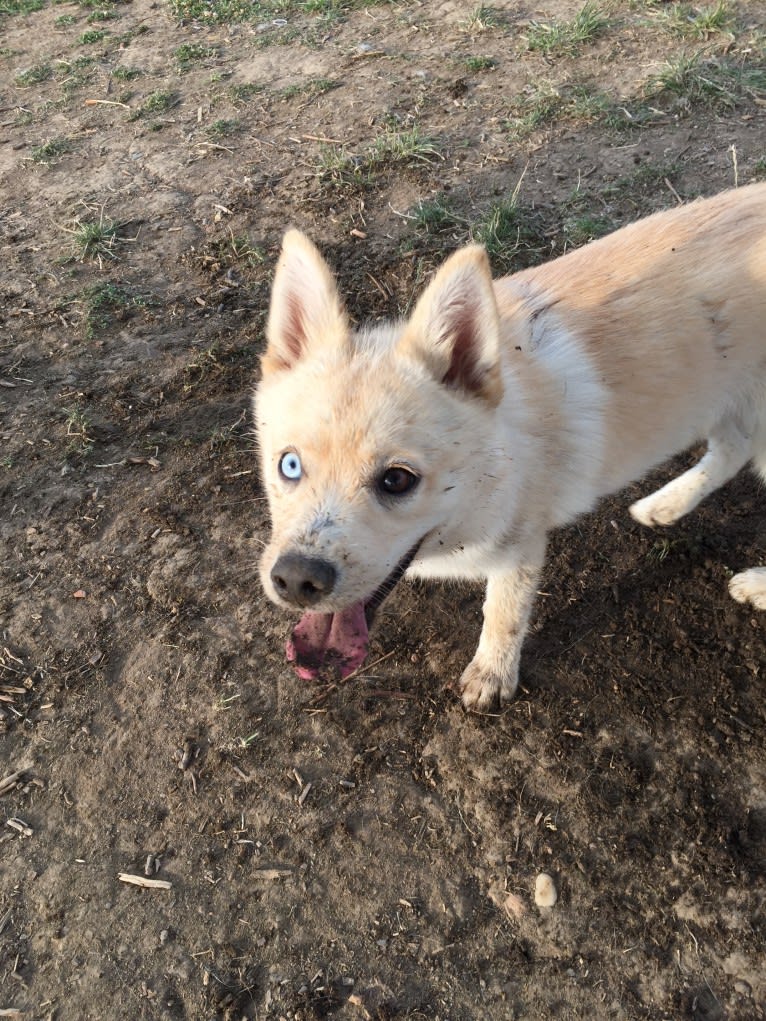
(673, 192)
(9, 782)
(106, 102)
(20, 826)
(152, 884)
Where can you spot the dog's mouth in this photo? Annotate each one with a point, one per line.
(337, 643)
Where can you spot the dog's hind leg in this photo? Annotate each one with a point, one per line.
(750, 586)
(729, 449)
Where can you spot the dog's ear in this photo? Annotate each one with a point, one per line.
(305, 305)
(455, 327)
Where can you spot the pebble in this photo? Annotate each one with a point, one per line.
(546, 894)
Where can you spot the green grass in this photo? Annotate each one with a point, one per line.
(106, 13)
(78, 429)
(392, 149)
(155, 104)
(699, 23)
(94, 239)
(223, 11)
(567, 37)
(309, 89)
(51, 152)
(476, 64)
(93, 35)
(222, 128)
(76, 73)
(480, 19)
(188, 54)
(580, 229)
(436, 216)
(511, 234)
(696, 80)
(64, 20)
(403, 148)
(103, 303)
(126, 74)
(34, 76)
(21, 6)
(246, 91)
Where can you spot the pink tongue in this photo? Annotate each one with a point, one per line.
(329, 641)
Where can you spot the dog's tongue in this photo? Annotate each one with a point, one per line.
(329, 640)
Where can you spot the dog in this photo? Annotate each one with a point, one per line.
(450, 444)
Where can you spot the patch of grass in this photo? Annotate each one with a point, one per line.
(566, 37)
(106, 13)
(337, 164)
(393, 149)
(21, 6)
(51, 152)
(580, 229)
(78, 429)
(644, 190)
(759, 170)
(436, 216)
(476, 64)
(480, 19)
(699, 23)
(156, 103)
(75, 74)
(245, 91)
(237, 249)
(225, 10)
(126, 74)
(95, 239)
(536, 109)
(222, 128)
(104, 303)
(694, 80)
(544, 106)
(310, 89)
(33, 76)
(189, 54)
(403, 148)
(64, 20)
(93, 35)
(511, 234)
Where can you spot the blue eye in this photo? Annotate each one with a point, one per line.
(290, 467)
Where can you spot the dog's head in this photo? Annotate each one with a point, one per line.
(368, 439)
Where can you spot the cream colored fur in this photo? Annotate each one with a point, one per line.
(518, 405)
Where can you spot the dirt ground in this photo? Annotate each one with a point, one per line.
(368, 850)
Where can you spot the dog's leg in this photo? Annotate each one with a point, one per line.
(494, 671)
(750, 587)
(729, 449)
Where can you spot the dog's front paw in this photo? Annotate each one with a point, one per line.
(483, 688)
(657, 509)
(750, 587)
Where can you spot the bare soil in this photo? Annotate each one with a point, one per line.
(367, 850)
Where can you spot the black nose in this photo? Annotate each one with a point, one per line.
(302, 580)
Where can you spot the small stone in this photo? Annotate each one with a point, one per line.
(546, 894)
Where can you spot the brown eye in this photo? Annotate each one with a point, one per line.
(396, 481)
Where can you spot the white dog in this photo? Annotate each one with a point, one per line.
(449, 445)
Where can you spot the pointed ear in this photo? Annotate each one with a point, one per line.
(455, 328)
(305, 305)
